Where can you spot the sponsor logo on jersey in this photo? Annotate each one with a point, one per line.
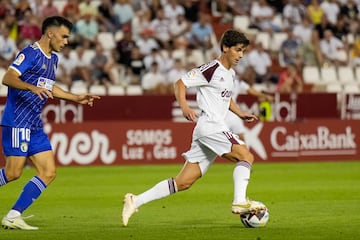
(19, 59)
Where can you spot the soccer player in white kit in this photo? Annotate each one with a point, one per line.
(211, 136)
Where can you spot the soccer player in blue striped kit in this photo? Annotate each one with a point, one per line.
(31, 81)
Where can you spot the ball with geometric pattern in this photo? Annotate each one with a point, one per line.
(257, 218)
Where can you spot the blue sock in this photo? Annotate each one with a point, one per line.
(3, 178)
(30, 193)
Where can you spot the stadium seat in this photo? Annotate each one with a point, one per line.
(116, 90)
(62, 86)
(311, 75)
(132, 90)
(241, 22)
(3, 90)
(346, 74)
(351, 88)
(264, 38)
(357, 74)
(107, 40)
(277, 39)
(328, 74)
(98, 90)
(334, 88)
(79, 87)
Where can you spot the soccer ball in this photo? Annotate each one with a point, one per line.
(255, 219)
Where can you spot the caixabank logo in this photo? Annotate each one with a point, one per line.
(309, 140)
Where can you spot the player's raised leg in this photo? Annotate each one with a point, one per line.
(187, 176)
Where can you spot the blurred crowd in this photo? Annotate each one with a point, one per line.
(151, 43)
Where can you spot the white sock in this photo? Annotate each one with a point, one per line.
(160, 190)
(13, 214)
(241, 176)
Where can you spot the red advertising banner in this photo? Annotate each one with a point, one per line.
(157, 142)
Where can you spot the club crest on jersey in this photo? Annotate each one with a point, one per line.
(24, 147)
(44, 66)
(19, 59)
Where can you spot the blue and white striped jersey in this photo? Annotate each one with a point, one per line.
(23, 108)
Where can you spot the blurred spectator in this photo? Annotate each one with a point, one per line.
(355, 52)
(124, 11)
(102, 67)
(310, 51)
(71, 10)
(262, 16)
(160, 26)
(303, 31)
(331, 10)
(136, 67)
(88, 7)
(293, 13)
(140, 22)
(153, 82)
(243, 69)
(179, 29)
(87, 29)
(6, 8)
(155, 56)
(325, 24)
(153, 6)
(66, 68)
(21, 8)
(8, 48)
(342, 28)
(107, 17)
(290, 80)
(201, 32)
(351, 13)
(124, 47)
(29, 30)
(221, 10)
(191, 9)
(49, 9)
(173, 9)
(315, 12)
(174, 74)
(10, 23)
(146, 42)
(330, 47)
(82, 63)
(261, 61)
(290, 50)
(241, 7)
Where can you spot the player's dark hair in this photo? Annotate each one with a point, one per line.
(55, 21)
(232, 38)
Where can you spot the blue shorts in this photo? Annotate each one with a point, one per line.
(24, 142)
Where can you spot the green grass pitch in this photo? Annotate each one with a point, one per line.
(307, 201)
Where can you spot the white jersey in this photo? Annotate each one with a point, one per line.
(215, 84)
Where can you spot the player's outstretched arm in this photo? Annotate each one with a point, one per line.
(85, 98)
(243, 115)
(12, 79)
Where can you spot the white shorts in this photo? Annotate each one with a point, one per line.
(205, 149)
(234, 123)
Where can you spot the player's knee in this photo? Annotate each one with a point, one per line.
(183, 185)
(12, 175)
(249, 157)
(48, 177)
